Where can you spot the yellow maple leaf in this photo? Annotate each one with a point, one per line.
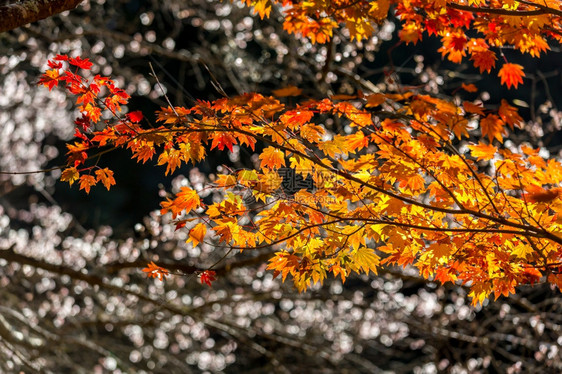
(365, 259)
(70, 175)
(359, 29)
(479, 291)
(262, 7)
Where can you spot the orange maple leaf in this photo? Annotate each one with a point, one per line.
(197, 234)
(144, 153)
(272, 158)
(473, 108)
(503, 287)
(511, 74)
(86, 182)
(106, 177)
(154, 271)
(469, 87)
(375, 100)
(492, 126)
(484, 60)
(509, 115)
(223, 139)
(410, 33)
(186, 200)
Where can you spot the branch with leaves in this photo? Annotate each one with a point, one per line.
(389, 190)
(523, 25)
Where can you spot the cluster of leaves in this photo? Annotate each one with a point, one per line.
(91, 104)
(391, 189)
(126, 132)
(523, 25)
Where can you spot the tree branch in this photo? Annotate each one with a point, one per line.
(19, 14)
(506, 12)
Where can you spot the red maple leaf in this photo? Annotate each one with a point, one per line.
(222, 140)
(135, 117)
(208, 276)
(54, 65)
(81, 63)
(180, 224)
(459, 18)
(81, 136)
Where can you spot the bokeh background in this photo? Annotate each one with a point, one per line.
(73, 296)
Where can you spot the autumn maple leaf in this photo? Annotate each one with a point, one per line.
(509, 114)
(511, 74)
(54, 64)
(483, 151)
(493, 126)
(135, 117)
(197, 234)
(272, 158)
(70, 175)
(222, 140)
(154, 271)
(81, 63)
(208, 276)
(410, 33)
(484, 60)
(469, 87)
(50, 79)
(106, 177)
(86, 182)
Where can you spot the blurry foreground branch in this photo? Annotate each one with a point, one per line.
(21, 13)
